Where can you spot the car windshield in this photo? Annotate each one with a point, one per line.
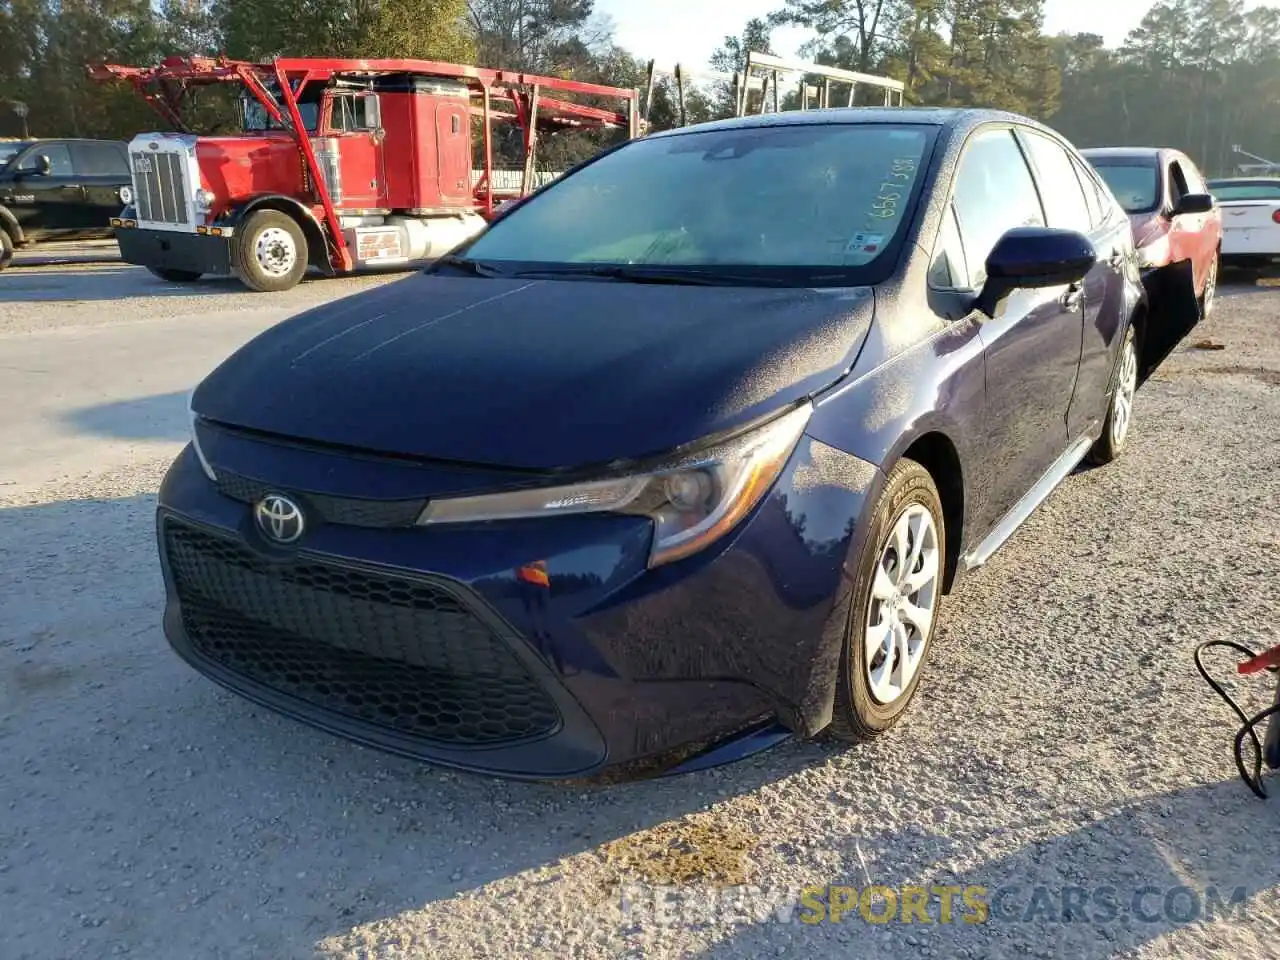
(812, 204)
(1135, 184)
(1244, 191)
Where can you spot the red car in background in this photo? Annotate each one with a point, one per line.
(1177, 230)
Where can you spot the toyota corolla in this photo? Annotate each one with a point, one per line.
(683, 450)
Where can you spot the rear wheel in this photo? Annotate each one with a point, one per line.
(6, 248)
(175, 276)
(269, 252)
(896, 598)
(1115, 432)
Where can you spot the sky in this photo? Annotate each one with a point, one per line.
(689, 30)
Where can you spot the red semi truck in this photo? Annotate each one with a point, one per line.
(340, 164)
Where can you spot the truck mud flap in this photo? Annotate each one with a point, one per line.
(170, 250)
(1173, 311)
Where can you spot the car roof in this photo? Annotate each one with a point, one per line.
(955, 119)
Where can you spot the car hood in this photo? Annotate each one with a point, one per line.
(536, 374)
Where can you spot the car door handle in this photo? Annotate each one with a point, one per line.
(1074, 296)
(72, 186)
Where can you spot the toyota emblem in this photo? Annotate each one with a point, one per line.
(279, 518)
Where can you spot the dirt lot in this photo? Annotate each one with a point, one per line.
(1064, 743)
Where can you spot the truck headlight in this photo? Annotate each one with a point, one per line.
(192, 419)
(693, 499)
(126, 195)
(204, 199)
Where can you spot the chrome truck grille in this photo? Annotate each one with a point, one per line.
(160, 186)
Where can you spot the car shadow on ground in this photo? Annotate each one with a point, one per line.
(124, 764)
(162, 416)
(1168, 865)
(90, 283)
(120, 281)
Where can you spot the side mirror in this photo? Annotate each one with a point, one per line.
(1034, 257)
(1193, 204)
(43, 167)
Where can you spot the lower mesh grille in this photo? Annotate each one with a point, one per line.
(396, 651)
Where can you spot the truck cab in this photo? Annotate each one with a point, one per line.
(339, 163)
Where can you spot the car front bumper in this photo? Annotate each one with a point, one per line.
(427, 642)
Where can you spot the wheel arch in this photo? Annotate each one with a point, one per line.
(10, 225)
(933, 448)
(317, 244)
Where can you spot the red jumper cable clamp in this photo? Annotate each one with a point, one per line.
(1266, 750)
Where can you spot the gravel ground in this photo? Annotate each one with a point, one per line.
(1063, 740)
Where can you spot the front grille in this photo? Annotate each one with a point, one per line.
(161, 191)
(347, 510)
(396, 651)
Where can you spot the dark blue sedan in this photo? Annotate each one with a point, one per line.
(684, 449)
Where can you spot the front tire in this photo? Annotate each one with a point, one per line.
(175, 276)
(1115, 431)
(6, 248)
(1210, 288)
(896, 603)
(269, 252)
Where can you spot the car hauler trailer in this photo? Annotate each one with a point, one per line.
(816, 86)
(339, 164)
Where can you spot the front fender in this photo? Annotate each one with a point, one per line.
(317, 246)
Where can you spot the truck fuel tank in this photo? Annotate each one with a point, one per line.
(402, 239)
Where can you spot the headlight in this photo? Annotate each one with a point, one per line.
(192, 417)
(204, 199)
(693, 499)
(126, 195)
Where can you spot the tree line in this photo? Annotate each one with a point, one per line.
(1195, 74)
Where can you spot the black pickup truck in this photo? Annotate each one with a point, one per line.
(60, 189)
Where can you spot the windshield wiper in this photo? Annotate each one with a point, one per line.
(473, 267)
(643, 274)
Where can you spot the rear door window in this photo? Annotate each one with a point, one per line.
(99, 160)
(1064, 199)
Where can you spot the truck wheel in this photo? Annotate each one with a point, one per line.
(175, 276)
(269, 252)
(6, 248)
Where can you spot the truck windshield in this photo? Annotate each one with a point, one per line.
(1135, 184)
(814, 204)
(256, 118)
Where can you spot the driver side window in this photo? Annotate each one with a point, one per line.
(58, 154)
(994, 193)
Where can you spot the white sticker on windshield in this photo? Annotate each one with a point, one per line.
(865, 243)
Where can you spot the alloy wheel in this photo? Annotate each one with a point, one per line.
(1122, 402)
(904, 595)
(1210, 288)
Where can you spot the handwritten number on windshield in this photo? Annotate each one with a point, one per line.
(884, 205)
